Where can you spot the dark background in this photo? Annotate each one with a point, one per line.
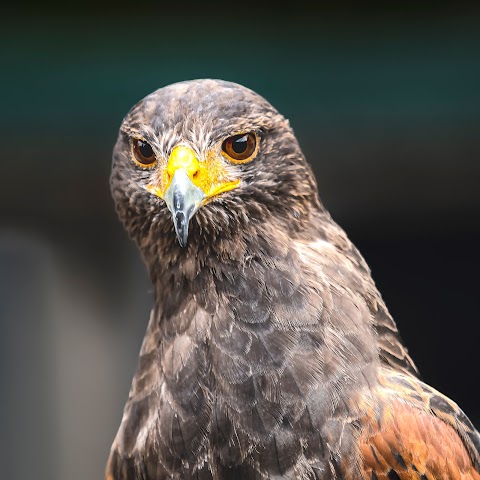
(385, 100)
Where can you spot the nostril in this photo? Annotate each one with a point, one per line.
(195, 175)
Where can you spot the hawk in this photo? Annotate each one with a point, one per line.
(269, 353)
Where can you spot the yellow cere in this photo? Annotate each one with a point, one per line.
(209, 175)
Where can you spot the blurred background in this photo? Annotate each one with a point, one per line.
(385, 101)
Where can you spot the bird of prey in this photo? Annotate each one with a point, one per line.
(270, 353)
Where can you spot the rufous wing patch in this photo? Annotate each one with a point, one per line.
(407, 443)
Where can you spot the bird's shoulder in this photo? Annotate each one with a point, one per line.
(413, 431)
(334, 261)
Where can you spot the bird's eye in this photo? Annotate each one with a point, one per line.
(143, 153)
(240, 148)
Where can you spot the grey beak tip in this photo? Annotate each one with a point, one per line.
(181, 227)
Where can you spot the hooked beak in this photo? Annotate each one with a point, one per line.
(187, 184)
(183, 199)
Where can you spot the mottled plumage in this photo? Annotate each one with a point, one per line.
(269, 352)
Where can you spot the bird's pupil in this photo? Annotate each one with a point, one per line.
(145, 149)
(240, 144)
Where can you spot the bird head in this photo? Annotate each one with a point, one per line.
(205, 160)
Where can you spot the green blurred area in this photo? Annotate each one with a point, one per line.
(80, 72)
(366, 90)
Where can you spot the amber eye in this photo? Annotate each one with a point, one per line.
(241, 147)
(143, 153)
